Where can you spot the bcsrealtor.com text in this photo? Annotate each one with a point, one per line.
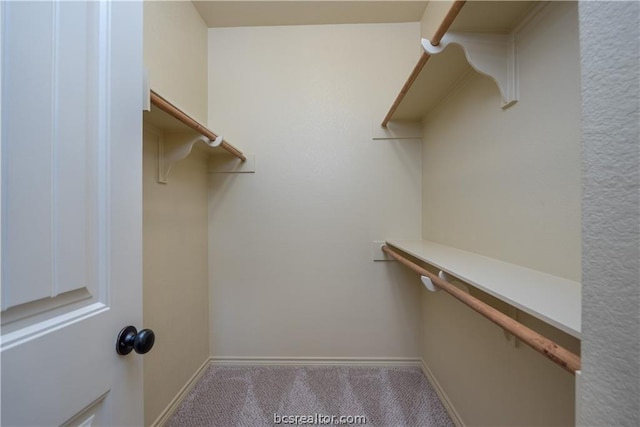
(319, 419)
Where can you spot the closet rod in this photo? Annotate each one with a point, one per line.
(183, 117)
(435, 41)
(550, 349)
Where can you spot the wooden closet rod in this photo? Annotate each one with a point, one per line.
(550, 349)
(183, 117)
(435, 41)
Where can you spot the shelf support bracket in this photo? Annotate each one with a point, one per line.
(174, 147)
(447, 278)
(493, 55)
(216, 142)
(429, 284)
(514, 313)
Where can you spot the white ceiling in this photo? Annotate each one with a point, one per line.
(241, 13)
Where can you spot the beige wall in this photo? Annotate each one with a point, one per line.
(175, 46)
(289, 246)
(176, 285)
(507, 184)
(291, 268)
(433, 15)
(176, 290)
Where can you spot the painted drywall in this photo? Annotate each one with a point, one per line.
(175, 46)
(433, 15)
(507, 184)
(269, 13)
(489, 380)
(290, 246)
(610, 384)
(176, 275)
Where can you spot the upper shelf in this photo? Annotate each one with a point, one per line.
(434, 76)
(170, 118)
(182, 133)
(552, 299)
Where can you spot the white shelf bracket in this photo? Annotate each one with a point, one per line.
(429, 284)
(447, 278)
(216, 142)
(493, 55)
(454, 281)
(377, 254)
(514, 314)
(175, 147)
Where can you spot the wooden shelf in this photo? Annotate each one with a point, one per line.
(554, 300)
(438, 75)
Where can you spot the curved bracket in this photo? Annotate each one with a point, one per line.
(442, 276)
(175, 147)
(493, 55)
(216, 142)
(429, 284)
(514, 314)
(454, 281)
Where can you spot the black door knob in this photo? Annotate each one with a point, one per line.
(130, 339)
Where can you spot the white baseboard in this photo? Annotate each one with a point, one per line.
(455, 417)
(317, 361)
(177, 400)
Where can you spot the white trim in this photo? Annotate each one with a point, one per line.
(2, 6)
(455, 416)
(184, 391)
(30, 333)
(578, 405)
(230, 164)
(317, 361)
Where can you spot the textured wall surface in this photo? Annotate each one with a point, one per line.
(291, 267)
(610, 386)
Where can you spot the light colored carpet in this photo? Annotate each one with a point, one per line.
(251, 395)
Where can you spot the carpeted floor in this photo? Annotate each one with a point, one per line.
(257, 395)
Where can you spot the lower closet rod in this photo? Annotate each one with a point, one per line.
(553, 351)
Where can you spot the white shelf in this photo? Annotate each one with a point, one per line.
(552, 299)
(179, 134)
(165, 122)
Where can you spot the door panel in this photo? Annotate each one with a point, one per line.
(95, 415)
(27, 220)
(71, 211)
(51, 191)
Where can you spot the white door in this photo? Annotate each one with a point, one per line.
(71, 211)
